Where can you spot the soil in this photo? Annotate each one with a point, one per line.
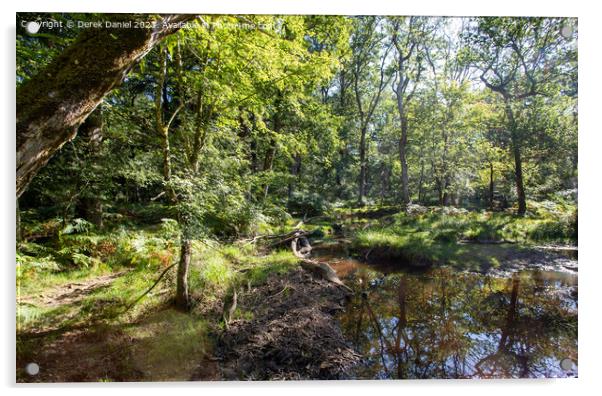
(478, 258)
(165, 345)
(78, 356)
(72, 292)
(288, 332)
(293, 334)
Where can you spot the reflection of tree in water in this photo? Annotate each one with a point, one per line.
(450, 325)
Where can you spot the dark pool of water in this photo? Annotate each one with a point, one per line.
(441, 323)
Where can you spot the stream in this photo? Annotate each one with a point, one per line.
(442, 323)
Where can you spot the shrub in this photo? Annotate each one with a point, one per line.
(310, 204)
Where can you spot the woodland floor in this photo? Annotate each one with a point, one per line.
(285, 327)
(291, 335)
(70, 293)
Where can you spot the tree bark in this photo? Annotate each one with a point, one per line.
(182, 299)
(403, 141)
(403, 97)
(162, 124)
(362, 180)
(90, 205)
(19, 236)
(295, 173)
(491, 187)
(518, 171)
(421, 183)
(268, 163)
(52, 104)
(365, 116)
(518, 163)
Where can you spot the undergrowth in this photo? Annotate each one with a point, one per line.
(49, 268)
(445, 235)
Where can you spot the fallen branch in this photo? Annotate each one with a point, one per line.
(162, 193)
(486, 241)
(291, 236)
(286, 237)
(149, 289)
(323, 270)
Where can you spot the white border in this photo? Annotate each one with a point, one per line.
(590, 152)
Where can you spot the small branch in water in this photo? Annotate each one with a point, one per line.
(324, 270)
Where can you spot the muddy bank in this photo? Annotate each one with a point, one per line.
(493, 259)
(292, 333)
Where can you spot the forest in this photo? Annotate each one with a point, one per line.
(267, 197)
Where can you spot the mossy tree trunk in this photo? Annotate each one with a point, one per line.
(18, 222)
(52, 104)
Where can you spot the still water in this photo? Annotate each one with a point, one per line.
(445, 324)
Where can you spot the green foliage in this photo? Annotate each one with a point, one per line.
(434, 237)
(310, 204)
(77, 226)
(266, 124)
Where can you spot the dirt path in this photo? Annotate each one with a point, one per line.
(70, 293)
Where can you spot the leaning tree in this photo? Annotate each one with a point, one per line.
(57, 100)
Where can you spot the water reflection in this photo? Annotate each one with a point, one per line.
(445, 324)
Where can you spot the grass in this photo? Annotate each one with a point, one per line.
(153, 339)
(432, 237)
(169, 344)
(48, 270)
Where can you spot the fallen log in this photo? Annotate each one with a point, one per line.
(486, 241)
(291, 236)
(322, 270)
(283, 237)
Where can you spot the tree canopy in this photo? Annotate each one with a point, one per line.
(240, 121)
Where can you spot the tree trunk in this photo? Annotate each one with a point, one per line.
(91, 131)
(385, 182)
(362, 180)
(405, 191)
(19, 236)
(52, 104)
(518, 163)
(421, 183)
(491, 186)
(182, 298)
(446, 196)
(162, 125)
(518, 171)
(295, 173)
(268, 163)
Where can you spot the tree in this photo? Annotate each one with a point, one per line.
(407, 38)
(519, 58)
(52, 104)
(370, 77)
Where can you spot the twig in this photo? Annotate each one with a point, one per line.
(150, 289)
